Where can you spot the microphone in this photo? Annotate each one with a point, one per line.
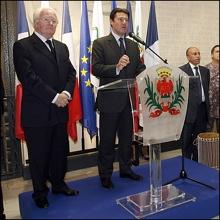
(138, 39)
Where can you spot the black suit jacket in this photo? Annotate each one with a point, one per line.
(105, 56)
(42, 77)
(194, 86)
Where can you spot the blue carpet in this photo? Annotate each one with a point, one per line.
(96, 202)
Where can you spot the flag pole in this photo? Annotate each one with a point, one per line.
(83, 139)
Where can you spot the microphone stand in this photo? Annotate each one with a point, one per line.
(143, 43)
(164, 60)
(183, 174)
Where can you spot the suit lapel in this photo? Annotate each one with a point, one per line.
(114, 45)
(128, 47)
(40, 46)
(56, 47)
(189, 70)
(202, 76)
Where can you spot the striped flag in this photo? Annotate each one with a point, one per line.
(74, 105)
(113, 5)
(130, 20)
(97, 31)
(152, 41)
(86, 91)
(134, 91)
(137, 31)
(22, 32)
(138, 19)
(22, 24)
(97, 21)
(67, 36)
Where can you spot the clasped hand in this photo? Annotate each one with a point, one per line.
(62, 100)
(123, 62)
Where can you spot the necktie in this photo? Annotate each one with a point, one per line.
(197, 71)
(122, 52)
(52, 50)
(122, 47)
(201, 88)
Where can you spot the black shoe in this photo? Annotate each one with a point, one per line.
(131, 175)
(65, 190)
(41, 202)
(107, 183)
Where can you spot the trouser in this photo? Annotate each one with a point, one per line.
(110, 124)
(47, 151)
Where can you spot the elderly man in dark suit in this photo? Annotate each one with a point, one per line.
(47, 76)
(198, 103)
(115, 57)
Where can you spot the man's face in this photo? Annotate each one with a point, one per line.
(193, 56)
(120, 23)
(215, 54)
(46, 24)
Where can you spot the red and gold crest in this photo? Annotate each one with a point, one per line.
(168, 95)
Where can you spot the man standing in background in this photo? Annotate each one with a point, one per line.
(198, 103)
(47, 76)
(213, 124)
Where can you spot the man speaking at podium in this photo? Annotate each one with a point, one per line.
(115, 57)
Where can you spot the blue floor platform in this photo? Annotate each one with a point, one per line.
(96, 202)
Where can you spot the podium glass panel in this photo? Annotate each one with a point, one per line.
(119, 84)
(131, 86)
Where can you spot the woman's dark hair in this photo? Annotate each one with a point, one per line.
(212, 50)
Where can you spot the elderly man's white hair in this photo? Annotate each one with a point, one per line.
(38, 11)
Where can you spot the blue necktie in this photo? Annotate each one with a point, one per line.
(200, 89)
(197, 71)
(122, 47)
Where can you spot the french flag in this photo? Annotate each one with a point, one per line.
(74, 106)
(22, 32)
(152, 40)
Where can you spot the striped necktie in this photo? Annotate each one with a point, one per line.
(52, 50)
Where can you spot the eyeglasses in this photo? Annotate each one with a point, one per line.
(49, 20)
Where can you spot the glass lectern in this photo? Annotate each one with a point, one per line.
(158, 198)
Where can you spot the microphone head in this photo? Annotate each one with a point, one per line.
(131, 34)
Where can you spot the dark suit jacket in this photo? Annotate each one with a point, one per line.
(194, 86)
(42, 78)
(105, 56)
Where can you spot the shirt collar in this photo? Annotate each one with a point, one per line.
(42, 37)
(116, 36)
(193, 66)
